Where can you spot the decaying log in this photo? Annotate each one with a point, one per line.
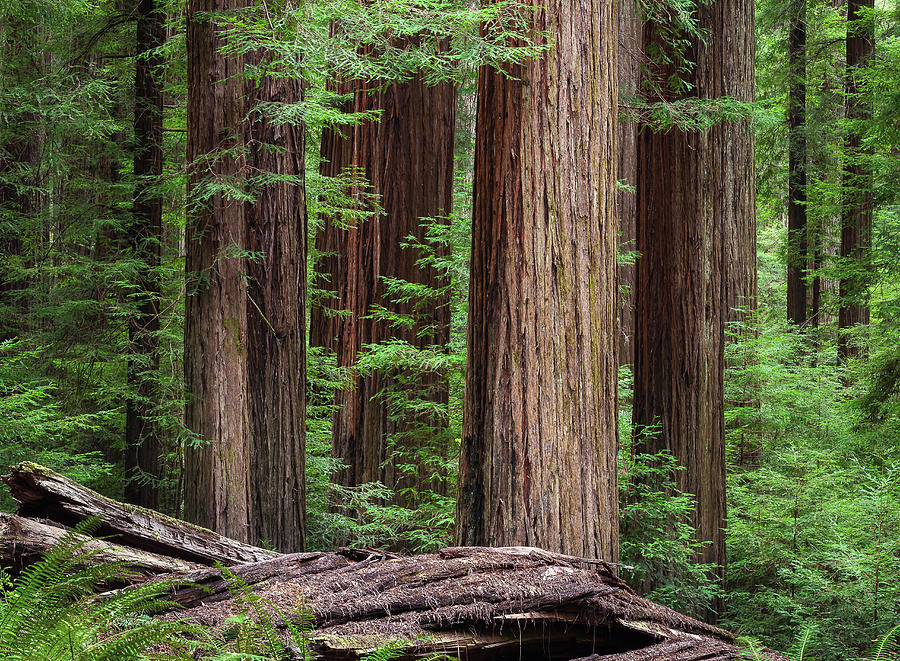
(205, 586)
(476, 604)
(472, 603)
(43, 493)
(24, 541)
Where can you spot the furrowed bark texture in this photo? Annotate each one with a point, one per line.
(216, 483)
(276, 322)
(857, 203)
(695, 212)
(407, 159)
(538, 456)
(736, 41)
(797, 240)
(626, 210)
(143, 442)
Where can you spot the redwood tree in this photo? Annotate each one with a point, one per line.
(217, 474)
(695, 220)
(797, 231)
(406, 158)
(538, 455)
(629, 79)
(856, 215)
(276, 320)
(143, 442)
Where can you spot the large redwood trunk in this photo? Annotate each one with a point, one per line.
(407, 159)
(276, 321)
(797, 231)
(695, 217)
(144, 446)
(538, 456)
(856, 215)
(216, 480)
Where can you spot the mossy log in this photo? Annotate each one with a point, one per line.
(43, 493)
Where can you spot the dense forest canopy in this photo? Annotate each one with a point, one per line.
(614, 279)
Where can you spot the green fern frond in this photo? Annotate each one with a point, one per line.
(888, 648)
(49, 612)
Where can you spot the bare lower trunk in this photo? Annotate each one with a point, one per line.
(797, 240)
(856, 216)
(629, 72)
(538, 455)
(216, 482)
(407, 158)
(276, 320)
(144, 446)
(696, 231)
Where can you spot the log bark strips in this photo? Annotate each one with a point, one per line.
(41, 492)
(476, 603)
(538, 455)
(24, 541)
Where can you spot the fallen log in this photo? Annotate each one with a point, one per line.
(43, 493)
(477, 604)
(25, 541)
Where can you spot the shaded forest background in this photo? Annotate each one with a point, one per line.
(94, 236)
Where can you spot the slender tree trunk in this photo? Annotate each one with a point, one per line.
(739, 145)
(143, 441)
(538, 456)
(856, 216)
(217, 489)
(629, 80)
(696, 217)
(797, 241)
(407, 159)
(276, 321)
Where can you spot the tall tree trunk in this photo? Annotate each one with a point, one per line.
(276, 321)
(538, 456)
(797, 240)
(629, 80)
(143, 441)
(407, 159)
(738, 184)
(695, 220)
(856, 216)
(216, 484)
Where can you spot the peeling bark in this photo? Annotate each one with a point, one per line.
(538, 456)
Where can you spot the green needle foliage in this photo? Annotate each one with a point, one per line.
(48, 611)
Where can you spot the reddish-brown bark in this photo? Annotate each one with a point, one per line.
(695, 220)
(407, 159)
(797, 239)
(276, 322)
(216, 475)
(538, 456)
(143, 442)
(856, 216)
(629, 79)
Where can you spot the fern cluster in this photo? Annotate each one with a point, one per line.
(47, 613)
